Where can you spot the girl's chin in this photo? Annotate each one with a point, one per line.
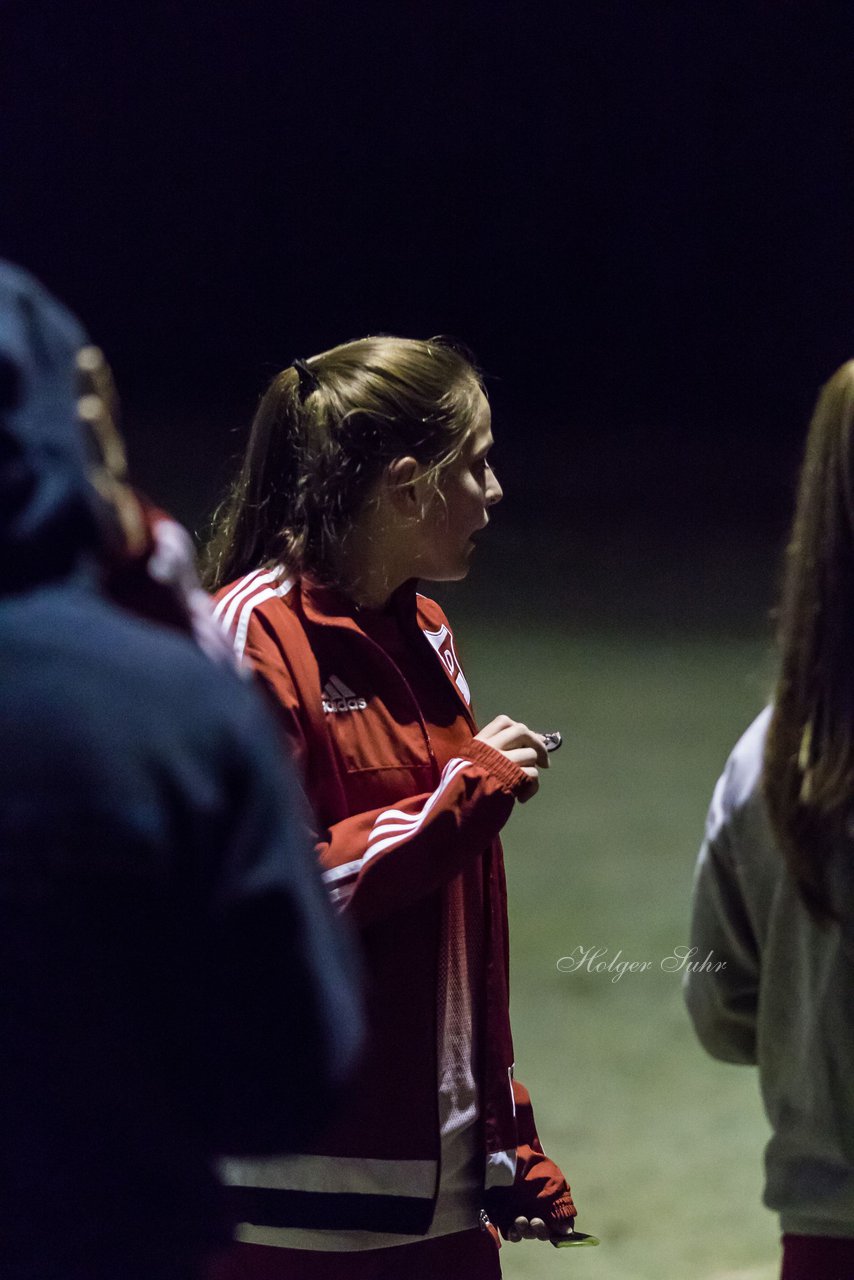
(447, 573)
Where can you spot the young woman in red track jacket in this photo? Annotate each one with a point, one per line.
(367, 470)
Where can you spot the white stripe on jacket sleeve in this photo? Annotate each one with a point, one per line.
(404, 831)
(239, 585)
(253, 583)
(396, 826)
(249, 605)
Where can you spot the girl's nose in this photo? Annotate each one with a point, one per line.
(494, 492)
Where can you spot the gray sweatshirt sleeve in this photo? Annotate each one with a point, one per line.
(722, 996)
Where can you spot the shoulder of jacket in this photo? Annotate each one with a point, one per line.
(256, 595)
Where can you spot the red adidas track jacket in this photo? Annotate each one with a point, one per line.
(393, 829)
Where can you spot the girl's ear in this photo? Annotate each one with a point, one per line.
(401, 478)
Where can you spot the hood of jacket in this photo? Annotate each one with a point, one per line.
(48, 521)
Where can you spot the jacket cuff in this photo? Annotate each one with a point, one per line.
(511, 777)
(562, 1209)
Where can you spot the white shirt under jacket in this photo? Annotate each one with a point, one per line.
(784, 1000)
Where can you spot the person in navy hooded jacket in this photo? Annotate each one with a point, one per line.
(173, 985)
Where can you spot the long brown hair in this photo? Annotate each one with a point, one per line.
(324, 432)
(809, 751)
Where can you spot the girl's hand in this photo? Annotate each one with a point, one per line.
(536, 1229)
(521, 745)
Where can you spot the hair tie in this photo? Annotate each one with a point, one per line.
(307, 380)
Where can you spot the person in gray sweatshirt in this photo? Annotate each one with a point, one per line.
(774, 888)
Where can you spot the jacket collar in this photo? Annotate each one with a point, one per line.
(329, 606)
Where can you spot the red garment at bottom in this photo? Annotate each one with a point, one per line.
(464, 1255)
(817, 1258)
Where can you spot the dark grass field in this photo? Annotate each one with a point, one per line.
(651, 654)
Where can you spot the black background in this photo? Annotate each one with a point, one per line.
(639, 215)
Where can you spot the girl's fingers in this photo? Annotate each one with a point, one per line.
(516, 736)
(489, 730)
(525, 1229)
(521, 746)
(505, 727)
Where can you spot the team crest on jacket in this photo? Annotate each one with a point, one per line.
(443, 642)
(337, 697)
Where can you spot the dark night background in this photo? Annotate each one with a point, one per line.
(638, 214)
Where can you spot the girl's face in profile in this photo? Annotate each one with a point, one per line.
(456, 513)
